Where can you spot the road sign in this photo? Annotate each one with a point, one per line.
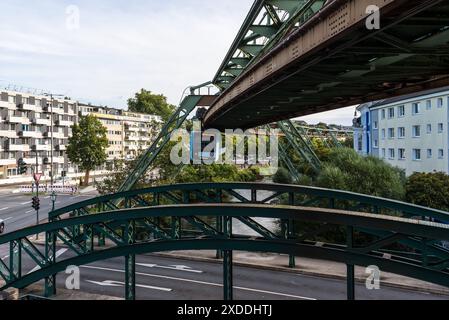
(37, 177)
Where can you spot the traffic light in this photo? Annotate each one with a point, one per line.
(36, 203)
(22, 166)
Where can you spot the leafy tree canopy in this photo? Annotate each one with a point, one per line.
(429, 190)
(147, 102)
(87, 145)
(347, 170)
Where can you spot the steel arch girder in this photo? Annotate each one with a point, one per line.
(281, 247)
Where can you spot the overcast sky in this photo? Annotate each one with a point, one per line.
(120, 46)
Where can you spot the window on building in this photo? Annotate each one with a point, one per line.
(440, 128)
(416, 154)
(383, 134)
(401, 132)
(429, 153)
(416, 131)
(401, 111)
(440, 154)
(376, 125)
(391, 113)
(440, 103)
(416, 108)
(391, 153)
(376, 143)
(383, 114)
(384, 153)
(391, 133)
(401, 154)
(429, 104)
(429, 129)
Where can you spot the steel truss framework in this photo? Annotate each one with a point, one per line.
(201, 216)
(267, 22)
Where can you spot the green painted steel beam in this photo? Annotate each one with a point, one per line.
(394, 205)
(282, 247)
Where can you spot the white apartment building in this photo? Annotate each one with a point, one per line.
(26, 123)
(410, 132)
(26, 129)
(128, 133)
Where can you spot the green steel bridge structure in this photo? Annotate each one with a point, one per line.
(290, 58)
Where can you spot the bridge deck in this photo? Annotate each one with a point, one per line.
(334, 61)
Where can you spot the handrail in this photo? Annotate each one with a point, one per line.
(379, 202)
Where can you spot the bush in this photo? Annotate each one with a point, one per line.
(347, 170)
(429, 190)
(282, 176)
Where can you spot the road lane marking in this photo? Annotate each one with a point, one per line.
(58, 254)
(110, 283)
(29, 211)
(24, 203)
(202, 282)
(5, 257)
(172, 267)
(7, 219)
(3, 209)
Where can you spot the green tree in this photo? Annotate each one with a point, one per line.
(147, 102)
(87, 145)
(347, 170)
(429, 190)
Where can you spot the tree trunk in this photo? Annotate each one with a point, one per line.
(87, 178)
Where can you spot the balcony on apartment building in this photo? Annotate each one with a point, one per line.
(64, 122)
(132, 138)
(7, 105)
(29, 107)
(42, 120)
(4, 161)
(17, 117)
(60, 147)
(41, 147)
(31, 134)
(56, 135)
(16, 147)
(55, 110)
(7, 133)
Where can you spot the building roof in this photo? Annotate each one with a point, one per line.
(384, 102)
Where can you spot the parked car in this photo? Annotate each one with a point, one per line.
(2, 226)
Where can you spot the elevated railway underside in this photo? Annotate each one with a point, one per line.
(333, 60)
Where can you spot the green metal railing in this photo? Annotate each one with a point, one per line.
(422, 266)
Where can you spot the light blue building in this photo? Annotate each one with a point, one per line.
(410, 132)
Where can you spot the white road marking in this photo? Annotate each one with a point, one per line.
(25, 203)
(202, 282)
(3, 209)
(5, 257)
(109, 283)
(173, 267)
(58, 254)
(29, 211)
(7, 219)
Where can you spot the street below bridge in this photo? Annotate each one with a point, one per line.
(167, 278)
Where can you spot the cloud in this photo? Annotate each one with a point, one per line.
(120, 46)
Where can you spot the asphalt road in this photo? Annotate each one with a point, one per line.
(175, 279)
(161, 278)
